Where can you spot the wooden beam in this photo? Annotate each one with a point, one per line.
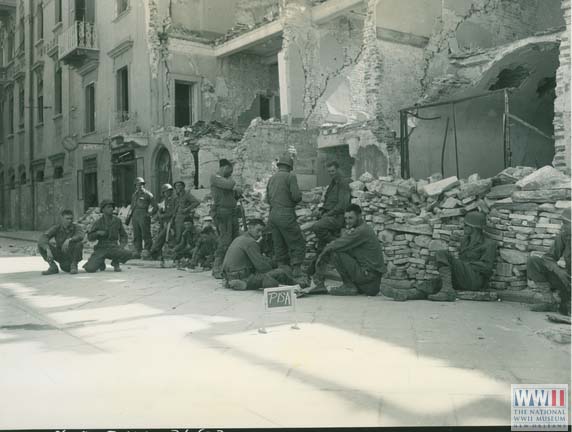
(402, 38)
(246, 40)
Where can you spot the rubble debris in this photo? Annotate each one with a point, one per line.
(544, 178)
(561, 319)
(558, 335)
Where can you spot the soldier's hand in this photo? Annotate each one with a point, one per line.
(66, 245)
(101, 233)
(238, 190)
(49, 254)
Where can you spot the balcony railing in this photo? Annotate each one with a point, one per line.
(78, 38)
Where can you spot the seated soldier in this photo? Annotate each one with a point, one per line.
(245, 268)
(357, 256)
(546, 269)
(203, 254)
(62, 244)
(111, 239)
(184, 249)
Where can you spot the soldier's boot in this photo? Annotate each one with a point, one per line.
(237, 285)
(116, 266)
(102, 266)
(346, 289)
(447, 292)
(73, 268)
(318, 285)
(136, 254)
(564, 307)
(299, 277)
(217, 268)
(52, 269)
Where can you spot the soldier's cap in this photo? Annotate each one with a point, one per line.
(566, 214)
(139, 180)
(285, 159)
(207, 219)
(188, 219)
(475, 220)
(105, 203)
(166, 187)
(179, 182)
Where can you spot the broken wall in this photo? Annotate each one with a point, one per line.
(252, 12)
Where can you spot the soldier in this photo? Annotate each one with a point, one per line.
(331, 214)
(282, 193)
(67, 248)
(203, 253)
(245, 268)
(186, 203)
(224, 211)
(187, 243)
(357, 256)
(111, 239)
(139, 214)
(166, 216)
(546, 269)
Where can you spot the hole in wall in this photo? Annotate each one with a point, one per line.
(510, 78)
(546, 87)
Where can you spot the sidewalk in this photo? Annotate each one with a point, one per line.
(31, 236)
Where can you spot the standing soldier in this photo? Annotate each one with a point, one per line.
(331, 214)
(224, 211)
(282, 193)
(111, 239)
(166, 216)
(141, 200)
(68, 247)
(186, 203)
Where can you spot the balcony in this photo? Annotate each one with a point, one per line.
(78, 44)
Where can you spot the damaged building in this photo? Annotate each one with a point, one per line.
(95, 94)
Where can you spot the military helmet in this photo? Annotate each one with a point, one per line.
(166, 187)
(286, 159)
(179, 182)
(207, 219)
(139, 180)
(475, 220)
(105, 203)
(566, 214)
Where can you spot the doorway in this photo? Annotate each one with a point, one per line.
(163, 173)
(124, 172)
(90, 183)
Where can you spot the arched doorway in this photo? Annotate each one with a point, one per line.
(163, 172)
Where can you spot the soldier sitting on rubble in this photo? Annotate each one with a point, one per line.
(62, 244)
(470, 272)
(111, 239)
(546, 269)
(245, 268)
(203, 254)
(357, 256)
(187, 242)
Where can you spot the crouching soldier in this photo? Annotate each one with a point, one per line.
(245, 268)
(204, 251)
(111, 239)
(475, 265)
(357, 256)
(546, 269)
(66, 245)
(184, 249)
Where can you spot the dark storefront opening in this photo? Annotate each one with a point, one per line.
(90, 198)
(163, 173)
(183, 104)
(124, 172)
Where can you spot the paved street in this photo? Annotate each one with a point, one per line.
(160, 347)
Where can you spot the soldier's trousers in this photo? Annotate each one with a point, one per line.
(367, 282)
(255, 281)
(327, 228)
(204, 256)
(179, 226)
(287, 239)
(541, 269)
(116, 254)
(141, 223)
(160, 239)
(465, 277)
(183, 252)
(226, 223)
(74, 254)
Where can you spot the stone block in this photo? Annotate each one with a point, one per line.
(438, 187)
(501, 191)
(473, 189)
(540, 196)
(509, 204)
(544, 178)
(477, 295)
(513, 256)
(357, 185)
(450, 203)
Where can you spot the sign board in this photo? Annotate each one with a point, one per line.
(281, 299)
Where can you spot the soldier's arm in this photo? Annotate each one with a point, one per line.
(259, 261)
(487, 261)
(347, 241)
(153, 204)
(344, 197)
(123, 238)
(191, 202)
(92, 233)
(78, 234)
(47, 236)
(295, 193)
(557, 249)
(222, 183)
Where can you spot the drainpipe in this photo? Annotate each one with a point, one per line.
(31, 112)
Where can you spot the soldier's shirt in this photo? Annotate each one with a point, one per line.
(338, 196)
(244, 254)
(60, 234)
(186, 202)
(222, 191)
(560, 249)
(142, 200)
(282, 190)
(114, 232)
(169, 208)
(481, 255)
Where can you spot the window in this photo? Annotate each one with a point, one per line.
(40, 176)
(58, 4)
(12, 181)
(40, 18)
(40, 97)
(23, 178)
(22, 36)
(11, 111)
(184, 115)
(85, 10)
(122, 6)
(123, 94)
(10, 45)
(58, 89)
(58, 172)
(90, 108)
(21, 100)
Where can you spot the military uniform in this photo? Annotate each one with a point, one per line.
(110, 245)
(141, 219)
(186, 244)
(282, 193)
(243, 261)
(358, 257)
(60, 234)
(336, 200)
(166, 219)
(186, 203)
(225, 214)
(203, 253)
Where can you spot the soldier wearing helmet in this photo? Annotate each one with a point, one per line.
(283, 194)
(186, 204)
(111, 239)
(546, 269)
(143, 206)
(166, 216)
